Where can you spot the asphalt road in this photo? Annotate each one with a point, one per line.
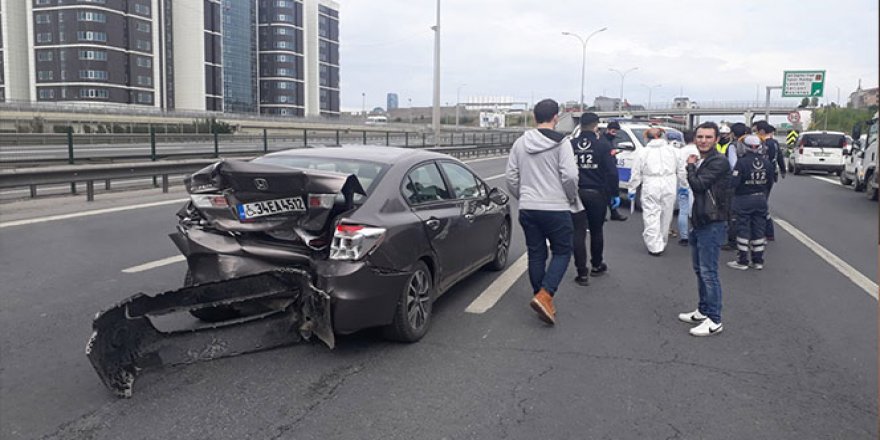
(797, 359)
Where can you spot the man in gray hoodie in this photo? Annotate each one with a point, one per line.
(543, 175)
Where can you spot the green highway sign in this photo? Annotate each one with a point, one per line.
(803, 83)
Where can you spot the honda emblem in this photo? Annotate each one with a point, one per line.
(261, 184)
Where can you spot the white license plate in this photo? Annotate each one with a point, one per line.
(247, 211)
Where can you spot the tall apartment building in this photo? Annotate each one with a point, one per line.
(268, 56)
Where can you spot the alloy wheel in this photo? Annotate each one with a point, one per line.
(503, 244)
(417, 299)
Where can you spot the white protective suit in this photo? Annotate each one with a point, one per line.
(656, 169)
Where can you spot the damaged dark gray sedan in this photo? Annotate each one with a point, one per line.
(318, 241)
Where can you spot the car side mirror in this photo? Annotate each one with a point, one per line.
(498, 197)
(625, 145)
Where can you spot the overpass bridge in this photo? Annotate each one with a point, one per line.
(691, 114)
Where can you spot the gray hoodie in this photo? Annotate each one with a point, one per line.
(542, 174)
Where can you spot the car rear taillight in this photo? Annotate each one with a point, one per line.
(209, 201)
(323, 201)
(353, 242)
(801, 150)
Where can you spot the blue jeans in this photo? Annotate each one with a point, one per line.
(684, 211)
(706, 244)
(539, 227)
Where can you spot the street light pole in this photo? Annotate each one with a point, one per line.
(584, 42)
(410, 110)
(458, 102)
(650, 89)
(364, 104)
(435, 119)
(622, 77)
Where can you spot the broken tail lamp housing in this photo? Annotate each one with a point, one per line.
(354, 242)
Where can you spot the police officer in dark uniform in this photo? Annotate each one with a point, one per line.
(598, 189)
(610, 133)
(752, 181)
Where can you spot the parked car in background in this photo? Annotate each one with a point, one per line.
(865, 158)
(852, 159)
(818, 151)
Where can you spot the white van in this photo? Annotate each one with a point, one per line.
(818, 150)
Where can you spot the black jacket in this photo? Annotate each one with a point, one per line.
(776, 156)
(597, 168)
(753, 174)
(710, 184)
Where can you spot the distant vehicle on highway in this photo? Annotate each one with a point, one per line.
(852, 159)
(376, 120)
(819, 151)
(334, 240)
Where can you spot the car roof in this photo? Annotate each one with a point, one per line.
(372, 153)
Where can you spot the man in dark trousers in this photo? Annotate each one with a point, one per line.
(752, 181)
(776, 157)
(542, 174)
(597, 188)
(610, 133)
(708, 175)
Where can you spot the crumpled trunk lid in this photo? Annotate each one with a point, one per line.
(266, 197)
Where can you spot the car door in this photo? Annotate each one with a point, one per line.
(441, 215)
(484, 218)
(625, 145)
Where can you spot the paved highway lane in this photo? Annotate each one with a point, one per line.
(797, 358)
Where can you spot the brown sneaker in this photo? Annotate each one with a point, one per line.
(542, 303)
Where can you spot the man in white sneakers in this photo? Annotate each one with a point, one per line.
(708, 176)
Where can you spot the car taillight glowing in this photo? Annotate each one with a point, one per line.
(801, 150)
(353, 242)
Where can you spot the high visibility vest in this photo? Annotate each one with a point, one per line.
(722, 148)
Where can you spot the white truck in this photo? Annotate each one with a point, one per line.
(863, 159)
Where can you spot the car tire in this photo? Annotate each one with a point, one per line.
(502, 248)
(210, 314)
(859, 185)
(845, 181)
(412, 314)
(796, 170)
(790, 166)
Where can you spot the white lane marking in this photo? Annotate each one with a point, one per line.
(499, 287)
(484, 159)
(497, 176)
(836, 262)
(828, 180)
(155, 264)
(87, 213)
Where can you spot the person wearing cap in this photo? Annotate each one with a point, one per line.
(776, 157)
(597, 188)
(610, 134)
(738, 132)
(752, 181)
(655, 168)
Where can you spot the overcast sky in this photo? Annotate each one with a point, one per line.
(709, 51)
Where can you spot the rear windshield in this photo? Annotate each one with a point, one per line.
(823, 140)
(367, 172)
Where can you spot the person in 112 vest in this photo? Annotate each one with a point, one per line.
(752, 181)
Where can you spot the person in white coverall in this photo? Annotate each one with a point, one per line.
(656, 169)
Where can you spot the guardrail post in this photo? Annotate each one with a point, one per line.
(73, 188)
(406, 139)
(33, 191)
(337, 137)
(265, 141)
(483, 141)
(90, 190)
(164, 183)
(424, 140)
(387, 138)
(152, 143)
(305, 137)
(216, 141)
(70, 145)
(107, 184)
(365, 137)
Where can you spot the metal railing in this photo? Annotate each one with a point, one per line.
(72, 148)
(159, 170)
